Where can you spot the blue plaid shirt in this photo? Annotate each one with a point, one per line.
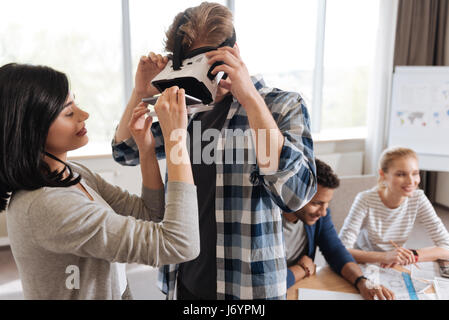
(251, 261)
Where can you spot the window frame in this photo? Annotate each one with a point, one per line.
(318, 72)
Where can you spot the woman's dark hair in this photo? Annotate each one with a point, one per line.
(325, 176)
(31, 98)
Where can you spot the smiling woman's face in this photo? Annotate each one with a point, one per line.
(68, 131)
(402, 177)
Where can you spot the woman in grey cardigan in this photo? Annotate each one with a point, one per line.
(67, 226)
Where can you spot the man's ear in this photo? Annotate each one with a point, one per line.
(292, 217)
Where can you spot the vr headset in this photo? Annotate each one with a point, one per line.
(191, 71)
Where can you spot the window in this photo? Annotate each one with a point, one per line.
(331, 69)
(75, 39)
(279, 40)
(349, 49)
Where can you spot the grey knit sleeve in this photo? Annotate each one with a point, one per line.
(149, 206)
(64, 220)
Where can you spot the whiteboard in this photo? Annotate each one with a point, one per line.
(419, 114)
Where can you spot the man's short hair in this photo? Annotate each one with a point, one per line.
(326, 176)
(208, 24)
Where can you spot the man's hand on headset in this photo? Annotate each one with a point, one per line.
(149, 67)
(238, 81)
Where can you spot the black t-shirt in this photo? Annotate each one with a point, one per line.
(199, 276)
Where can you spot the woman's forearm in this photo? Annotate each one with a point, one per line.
(432, 254)
(151, 176)
(362, 256)
(178, 161)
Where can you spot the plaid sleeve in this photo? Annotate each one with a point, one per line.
(127, 153)
(166, 280)
(294, 183)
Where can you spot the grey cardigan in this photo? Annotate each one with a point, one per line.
(59, 236)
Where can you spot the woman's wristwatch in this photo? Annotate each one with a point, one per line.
(415, 253)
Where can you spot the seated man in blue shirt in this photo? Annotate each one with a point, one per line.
(312, 226)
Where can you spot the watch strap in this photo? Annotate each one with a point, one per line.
(356, 282)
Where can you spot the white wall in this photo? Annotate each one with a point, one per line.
(345, 157)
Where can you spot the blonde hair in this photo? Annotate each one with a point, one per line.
(209, 24)
(389, 155)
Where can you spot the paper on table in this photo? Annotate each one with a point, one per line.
(427, 271)
(427, 296)
(392, 279)
(312, 294)
(441, 288)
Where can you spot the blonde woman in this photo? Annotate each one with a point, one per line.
(381, 219)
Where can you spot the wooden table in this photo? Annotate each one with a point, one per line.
(326, 279)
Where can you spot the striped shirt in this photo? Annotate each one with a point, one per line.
(370, 225)
(250, 249)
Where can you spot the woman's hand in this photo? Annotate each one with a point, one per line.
(399, 256)
(171, 111)
(307, 264)
(149, 66)
(140, 129)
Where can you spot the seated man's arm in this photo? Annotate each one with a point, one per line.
(300, 270)
(331, 246)
(294, 274)
(342, 262)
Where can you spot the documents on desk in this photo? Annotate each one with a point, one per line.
(403, 286)
(441, 286)
(431, 271)
(428, 270)
(414, 285)
(312, 294)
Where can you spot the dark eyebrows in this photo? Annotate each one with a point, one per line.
(70, 102)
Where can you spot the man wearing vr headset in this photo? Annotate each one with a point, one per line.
(240, 201)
